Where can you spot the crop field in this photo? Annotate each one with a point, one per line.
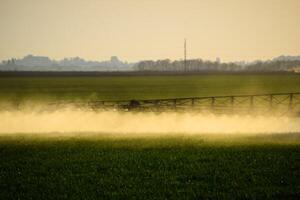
(52, 162)
(175, 167)
(142, 87)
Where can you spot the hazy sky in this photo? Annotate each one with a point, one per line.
(150, 29)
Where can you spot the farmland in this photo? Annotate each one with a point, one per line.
(142, 87)
(171, 166)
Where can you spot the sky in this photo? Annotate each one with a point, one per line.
(137, 30)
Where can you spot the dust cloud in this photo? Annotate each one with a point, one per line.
(71, 120)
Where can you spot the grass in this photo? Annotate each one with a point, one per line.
(142, 87)
(149, 168)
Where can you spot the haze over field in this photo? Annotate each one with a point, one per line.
(72, 122)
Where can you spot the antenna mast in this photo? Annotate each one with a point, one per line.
(185, 69)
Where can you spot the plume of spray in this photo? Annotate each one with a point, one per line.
(71, 120)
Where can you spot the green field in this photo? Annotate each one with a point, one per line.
(142, 87)
(175, 167)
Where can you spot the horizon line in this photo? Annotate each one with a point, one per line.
(137, 61)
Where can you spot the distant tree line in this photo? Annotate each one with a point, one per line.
(9, 62)
(201, 65)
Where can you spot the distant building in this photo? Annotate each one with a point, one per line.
(115, 62)
(33, 61)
